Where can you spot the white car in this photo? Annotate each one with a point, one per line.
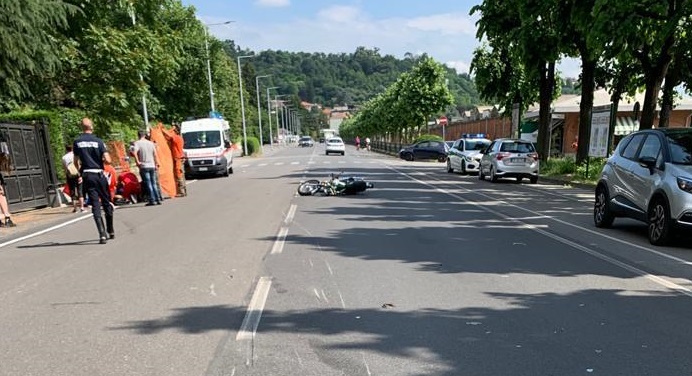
(510, 158)
(335, 145)
(465, 154)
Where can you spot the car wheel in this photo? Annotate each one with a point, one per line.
(408, 157)
(463, 168)
(519, 179)
(441, 158)
(533, 179)
(602, 216)
(343, 153)
(493, 177)
(449, 166)
(659, 222)
(231, 170)
(226, 173)
(481, 175)
(326, 153)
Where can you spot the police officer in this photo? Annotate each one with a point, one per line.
(89, 155)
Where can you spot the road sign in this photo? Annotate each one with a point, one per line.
(442, 121)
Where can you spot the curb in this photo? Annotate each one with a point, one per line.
(553, 180)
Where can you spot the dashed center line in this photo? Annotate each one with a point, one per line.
(254, 310)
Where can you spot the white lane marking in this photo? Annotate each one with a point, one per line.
(325, 296)
(254, 311)
(311, 264)
(311, 162)
(317, 294)
(192, 181)
(44, 231)
(278, 246)
(329, 267)
(291, 214)
(326, 162)
(212, 292)
(278, 164)
(593, 232)
(342, 162)
(357, 162)
(656, 279)
(295, 163)
(262, 164)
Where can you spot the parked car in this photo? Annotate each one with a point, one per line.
(425, 150)
(306, 141)
(648, 178)
(335, 145)
(465, 153)
(509, 158)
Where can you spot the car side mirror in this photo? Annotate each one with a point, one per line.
(227, 144)
(648, 162)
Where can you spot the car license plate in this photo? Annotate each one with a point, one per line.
(203, 169)
(517, 160)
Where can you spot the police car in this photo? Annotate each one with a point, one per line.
(465, 154)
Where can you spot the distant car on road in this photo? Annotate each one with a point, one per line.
(335, 145)
(306, 141)
(465, 153)
(506, 158)
(425, 150)
(649, 178)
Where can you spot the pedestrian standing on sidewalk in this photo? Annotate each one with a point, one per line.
(72, 175)
(90, 153)
(146, 158)
(4, 207)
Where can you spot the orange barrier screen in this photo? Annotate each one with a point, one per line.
(163, 151)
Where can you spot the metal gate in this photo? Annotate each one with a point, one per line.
(31, 172)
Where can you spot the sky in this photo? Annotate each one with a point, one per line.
(441, 28)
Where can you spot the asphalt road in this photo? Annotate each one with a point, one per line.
(427, 274)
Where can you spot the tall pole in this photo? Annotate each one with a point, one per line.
(145, 113)
(211, 88)
(206, 47)
(269, 116)
(242, 102)
(259, 109)
(276, 97)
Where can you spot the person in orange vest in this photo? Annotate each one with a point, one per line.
(176, 141)
(112, 176)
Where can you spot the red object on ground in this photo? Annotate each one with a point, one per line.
(130, 184)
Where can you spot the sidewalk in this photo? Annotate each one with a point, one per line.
(34, 220)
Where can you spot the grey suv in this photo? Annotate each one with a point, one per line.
(648, 178)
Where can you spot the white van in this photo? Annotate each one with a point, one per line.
(207, 147)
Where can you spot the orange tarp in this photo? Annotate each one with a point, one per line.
(163, 151)
(119, 156)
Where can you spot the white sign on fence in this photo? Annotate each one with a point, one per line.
(598, 143)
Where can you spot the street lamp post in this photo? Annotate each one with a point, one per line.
(259, 108)
(242, 101)
(269, 116)
(206, 47)
(145, 113)
(276, 97)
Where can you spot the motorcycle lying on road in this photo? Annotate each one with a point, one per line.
(336, 185)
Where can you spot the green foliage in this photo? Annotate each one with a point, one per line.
(345, 78)
(558, 166)
(27, 42)
(427, 137)
(595, 168)
(253, 146)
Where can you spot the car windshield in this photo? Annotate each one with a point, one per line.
(681, 148)
(517, 147)
(201, 139)
(476, 144)
(306, 139)
(334, 141)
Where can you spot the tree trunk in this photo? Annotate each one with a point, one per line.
(544, 115)
(672, 80)
(588, 84)
(654, 79)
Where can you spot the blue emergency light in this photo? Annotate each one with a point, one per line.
(473, 135)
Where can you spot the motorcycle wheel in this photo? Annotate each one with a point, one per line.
(309, 188)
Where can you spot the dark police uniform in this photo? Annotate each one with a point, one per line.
(90, 150)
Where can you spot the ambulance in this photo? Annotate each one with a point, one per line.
(207, 147)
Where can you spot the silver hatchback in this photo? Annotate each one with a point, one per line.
(509, 158)
(648, 178)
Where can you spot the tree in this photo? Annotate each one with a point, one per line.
(28, 42)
